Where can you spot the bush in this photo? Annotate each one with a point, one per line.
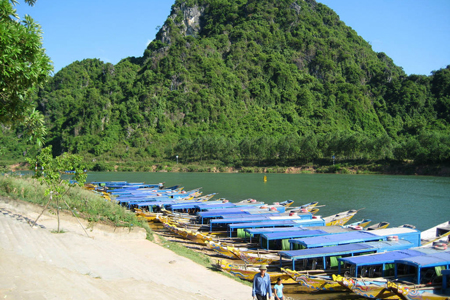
(83, 203)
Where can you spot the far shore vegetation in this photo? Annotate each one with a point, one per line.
(388, 167)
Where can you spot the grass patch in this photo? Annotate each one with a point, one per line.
(83, 203)
(197, 257)
(181, 250)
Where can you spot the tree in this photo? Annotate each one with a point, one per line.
(34, 127)
(49, 171)
(23, 62)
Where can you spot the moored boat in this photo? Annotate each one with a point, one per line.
(340, 218)
(248, 272)
(371, 274)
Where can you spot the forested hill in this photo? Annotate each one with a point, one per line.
(250, 81)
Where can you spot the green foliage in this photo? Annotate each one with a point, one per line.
(82, 202)
(23, 62)
(251, 83)
(49, 171)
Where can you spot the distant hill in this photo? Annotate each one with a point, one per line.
(249, 82)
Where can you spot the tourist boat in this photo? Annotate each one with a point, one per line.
(439, 233)
(150, 217)
(323, 262)
(246, 218)
(160, 206)
(313, 283)
(326, 258)
(241, 229)
(358, 224)
(193, 235)
(381, 225)
(340, 218)
(424, 274)
(198, 237)
(247, 272)
(242, 210)
(357, 236)
(254, 230)
(341, 236)
(438, 292)
(225, 250)
(139, 190)
(371, 274)
(280, 240)
(258, 257)
(121, 184)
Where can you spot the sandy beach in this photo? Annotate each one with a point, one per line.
(109, 264)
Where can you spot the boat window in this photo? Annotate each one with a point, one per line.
(428, 275)
(389, 270)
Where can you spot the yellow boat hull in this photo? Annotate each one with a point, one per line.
(314, 284)
(339, 222)
(249, 273)
(221, 250)
(366, 289)
(254, 259)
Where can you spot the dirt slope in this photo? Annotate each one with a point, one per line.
(110, 264)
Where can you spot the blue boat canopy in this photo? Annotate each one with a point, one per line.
(262, 226)
(334, 252)
(273, 225)
(411, 235)
(325, 251)
(336, 239)
(292, 234)
(431, 260)
(379, 258)
(286, 226)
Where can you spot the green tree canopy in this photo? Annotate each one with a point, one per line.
(23, 62)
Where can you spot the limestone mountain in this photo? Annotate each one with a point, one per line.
(225, 78)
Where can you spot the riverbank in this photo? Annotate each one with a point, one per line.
(341, 167)
(112, 263)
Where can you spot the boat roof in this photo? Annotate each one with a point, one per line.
(335, 239)
(393, 231)
(345, 249)
(161, 203)
(350, 237)
(223, 205)
(288, 226)
(292, 234)
(431, 260)
(294, 223)
(330, 229)
(233, 211)
(248, 218)
(381, 258)
(187, 204)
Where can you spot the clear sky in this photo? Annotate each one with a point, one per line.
(414, 33)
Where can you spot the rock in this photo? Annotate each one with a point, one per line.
(296, 7)
(190, 24)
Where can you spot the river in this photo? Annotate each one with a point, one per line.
(417, 200)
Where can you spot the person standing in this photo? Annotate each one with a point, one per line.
(261, 285)
(278, 290)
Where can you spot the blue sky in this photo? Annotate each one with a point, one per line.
(414, 33)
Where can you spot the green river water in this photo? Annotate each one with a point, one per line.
(417, 200)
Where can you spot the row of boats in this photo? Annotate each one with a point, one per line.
(313, 253)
